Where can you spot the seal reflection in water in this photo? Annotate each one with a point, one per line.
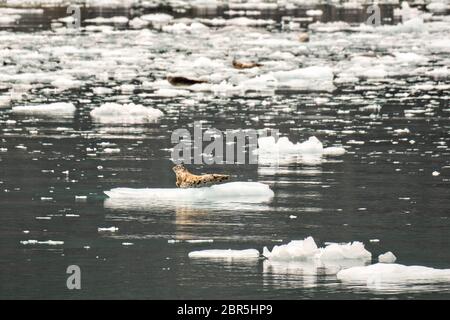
(185, 179)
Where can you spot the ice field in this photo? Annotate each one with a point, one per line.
(352, 202)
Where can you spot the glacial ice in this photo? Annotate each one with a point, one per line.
(57, 109)
(307, 249)
(393, 273)
(115, 113)
(232, 192)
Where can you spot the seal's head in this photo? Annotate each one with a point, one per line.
(179, 168)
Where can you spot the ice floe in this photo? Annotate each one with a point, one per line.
(307, 249)
(269, 150)
(231, 192)
(115, 113)
(58, 109)
(225, 254)
(393, 273)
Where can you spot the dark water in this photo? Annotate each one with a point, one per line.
(377, 190)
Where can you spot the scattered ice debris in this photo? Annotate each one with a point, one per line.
(110, 229)
(233, 192)
(392, 273)
(307, 249)
(48, 242)
(46, 198)
(125, 114)
(436, 173)
(80, 197)
(225, 254)
(374, 240)
(58, 109)
(387, 257)
(127, 243)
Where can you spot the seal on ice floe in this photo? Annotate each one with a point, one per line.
(183, 81)
(245, 65)
(185, 179)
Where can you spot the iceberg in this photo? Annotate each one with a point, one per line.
(58, 109)
(125, 114)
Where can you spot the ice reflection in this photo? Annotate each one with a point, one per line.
(307, 273)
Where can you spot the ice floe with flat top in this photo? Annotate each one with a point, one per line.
(115, 113)
(393, 273)
(57, 109)
(232, 192)
(225, 254)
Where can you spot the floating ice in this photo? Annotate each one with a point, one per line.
(58, 109)
(225, 254)
(307, 250)
(393, 273)
(387, 257)
(126, 114)
(267, 147)
(110, 229)
(232, 192)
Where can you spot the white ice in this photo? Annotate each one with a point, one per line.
(232, 192)
(225, 254)
(58, 109)
(270, 150)
(115, 113)
(393, 273)
(387, 257)
(307, 249)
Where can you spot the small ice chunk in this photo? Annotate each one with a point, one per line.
(436, 173)
(402, 131)
(387, 257)
(110, 229)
